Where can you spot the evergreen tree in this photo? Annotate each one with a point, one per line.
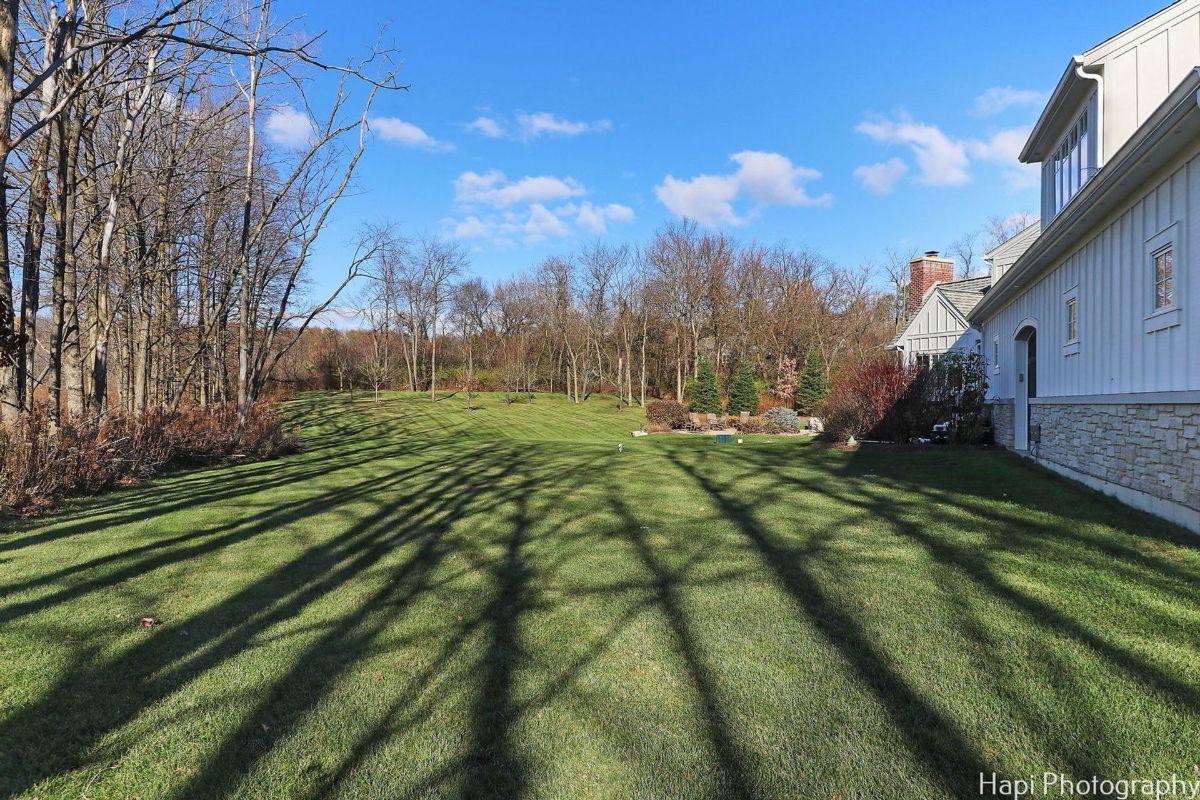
(706, 397)
(743, 396)
(813, 385)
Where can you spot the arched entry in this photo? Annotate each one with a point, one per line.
(1025, 369)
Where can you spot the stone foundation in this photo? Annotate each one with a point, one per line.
(1002, 423)
(1146, 455)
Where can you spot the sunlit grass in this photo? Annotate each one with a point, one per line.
(431, 601)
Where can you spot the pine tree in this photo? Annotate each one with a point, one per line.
(813, 385)
(706, 397)
(743, 396)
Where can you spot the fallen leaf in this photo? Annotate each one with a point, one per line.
(148, 622)
(378, 677)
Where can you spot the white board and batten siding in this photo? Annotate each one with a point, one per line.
(1142, 65)
(1113, 279)
(936, 329)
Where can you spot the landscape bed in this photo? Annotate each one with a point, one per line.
(430, 601)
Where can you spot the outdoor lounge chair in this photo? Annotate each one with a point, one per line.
(693, 423)
(744, 417)
(713, 422)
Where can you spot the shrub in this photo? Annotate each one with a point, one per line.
(813, 385)
(862, 399)
(706, 395)
(751, 425)
(666, 413)
(40, 465)
(781, 420)
(884, 399)
(743, 394)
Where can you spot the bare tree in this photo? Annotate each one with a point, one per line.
(438, 262)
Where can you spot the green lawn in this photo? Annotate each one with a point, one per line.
(432, 602)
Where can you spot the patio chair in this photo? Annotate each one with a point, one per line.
(713, 422)
(693, 423)
(744, 417)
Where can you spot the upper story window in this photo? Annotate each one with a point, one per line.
(1071, 164)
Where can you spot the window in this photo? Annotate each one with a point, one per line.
(1163, 250)
(996, 355)
(1164, 277)
(1071, 321)
(1070, 166)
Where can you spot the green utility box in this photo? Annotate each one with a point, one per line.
(724, 438)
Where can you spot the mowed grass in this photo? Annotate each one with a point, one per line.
(435, 602)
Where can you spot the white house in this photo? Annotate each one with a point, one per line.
(1093, 333)
(1005, 254)
(935, 320)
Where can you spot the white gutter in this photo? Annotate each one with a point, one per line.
(1098, 77)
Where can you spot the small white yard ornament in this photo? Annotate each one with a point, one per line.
(620, 447)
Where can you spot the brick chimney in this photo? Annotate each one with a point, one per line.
(927, 271)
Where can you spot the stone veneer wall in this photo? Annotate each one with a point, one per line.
(1002, 423)
(1153, 449)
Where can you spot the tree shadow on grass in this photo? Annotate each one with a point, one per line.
(414, 507)
(931, 737)
(980, 548)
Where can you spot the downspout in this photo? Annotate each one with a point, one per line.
(1098, 77)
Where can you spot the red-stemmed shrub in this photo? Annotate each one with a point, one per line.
(666, 414)
(862, 401)
(884, 399)
(40, 465)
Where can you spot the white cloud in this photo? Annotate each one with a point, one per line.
(542, 224)
(472, 228)
(1003, 148)
(999, 99)
(595, 218)
(705, 198)
(881, 178)
(943, 161)
(494, 189)
(772, 179)
(765, 178)
(289, 127)
(391, 129)
(485, 126)
(544, 123)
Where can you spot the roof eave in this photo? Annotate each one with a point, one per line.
(1033, 151)
(1139, 158)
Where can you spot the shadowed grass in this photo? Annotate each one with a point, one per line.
(436, 602)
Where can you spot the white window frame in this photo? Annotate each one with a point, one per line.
(996, 355)
(1071, 162)
(1070, 300)
(1170, 238)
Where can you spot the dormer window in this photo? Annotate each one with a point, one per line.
(1071, 165)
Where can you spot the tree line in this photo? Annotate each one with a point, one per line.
(153, 245)
(637, 322)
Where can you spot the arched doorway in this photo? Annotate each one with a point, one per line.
(1025, 367)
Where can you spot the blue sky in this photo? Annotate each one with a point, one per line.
(848, 128)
